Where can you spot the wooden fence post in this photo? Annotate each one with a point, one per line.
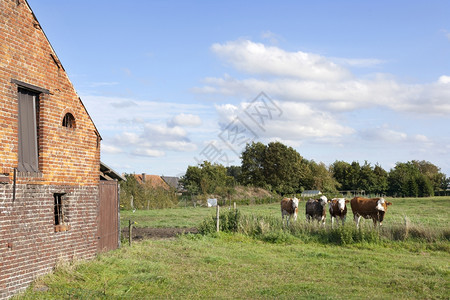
(130, 231)
(234, 205)
(217, 218)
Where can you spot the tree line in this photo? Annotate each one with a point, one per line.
(281, 169)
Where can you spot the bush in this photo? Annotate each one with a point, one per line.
(134, 195)
(228, 222)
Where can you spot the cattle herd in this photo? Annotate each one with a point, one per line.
(368, 208)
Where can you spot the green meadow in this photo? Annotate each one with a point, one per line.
(409, 258)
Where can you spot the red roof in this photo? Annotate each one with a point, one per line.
(153, 180)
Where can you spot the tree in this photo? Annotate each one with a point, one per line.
(366, 178)
(381, 180)
(342, 171)
(407, 180)
(347, 175)
(207, 178)
(132, 194)
(282, 167)
(432, 172)
(144, 195)
(253, 164)
(322, 178)
(235, 172)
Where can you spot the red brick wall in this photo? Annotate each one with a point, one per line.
(66, 156)
(29, 245)
(69, 159)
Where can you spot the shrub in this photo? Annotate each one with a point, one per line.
(228, 222)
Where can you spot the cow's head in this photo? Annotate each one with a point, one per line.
(382, 205)
(382, 208)
(341, 204)
(295, 207)
(294, 203)
(323, 200)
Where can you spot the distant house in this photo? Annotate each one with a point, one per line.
(173, 182)
(53, 205)
(154, 181)
(311, 193)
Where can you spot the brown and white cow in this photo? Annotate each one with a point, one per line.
(373, 208)
(338, 209)
(316, 209)
(289, 208)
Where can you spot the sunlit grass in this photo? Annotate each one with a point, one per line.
(429, 212)
(229, 266)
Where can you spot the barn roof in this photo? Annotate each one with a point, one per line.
(173, 181)
(107, 173)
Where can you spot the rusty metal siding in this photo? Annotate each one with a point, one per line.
(108, 217)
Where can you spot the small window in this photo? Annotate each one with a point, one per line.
(68, 121)
(59, 220)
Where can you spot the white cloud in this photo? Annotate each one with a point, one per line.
(347, 95)
(188, 120)
(444, 79)
(297, 121)
(127, 138)
(358, 62)
(383, 134)
(256, 58)
(111, 149)
(159, 132)
(307, 77)
(147, 152)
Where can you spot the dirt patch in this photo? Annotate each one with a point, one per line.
(141, 233)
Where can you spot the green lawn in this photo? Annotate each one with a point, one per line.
(230, 265)
(430, 212)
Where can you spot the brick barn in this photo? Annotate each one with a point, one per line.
(50, 192)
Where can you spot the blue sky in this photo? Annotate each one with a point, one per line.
(166, 81)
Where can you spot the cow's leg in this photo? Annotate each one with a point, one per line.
(332, 222)
(374, 222)
(357, 219)
(343, 220)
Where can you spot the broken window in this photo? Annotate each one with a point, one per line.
(28, 131)
(60, 217)
(59, 212)
(68, 121)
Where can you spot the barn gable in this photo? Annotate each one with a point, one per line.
(50, 157)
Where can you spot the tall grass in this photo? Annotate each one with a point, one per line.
(271, 229)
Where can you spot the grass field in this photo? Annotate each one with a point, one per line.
(430, 212)
(233, 265)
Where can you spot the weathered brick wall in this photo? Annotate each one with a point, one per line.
(29, 245)
(66, 155)
(69, 158)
